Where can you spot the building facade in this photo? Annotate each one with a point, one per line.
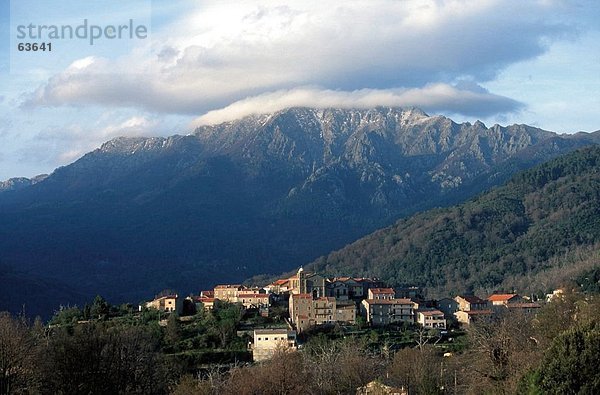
(167, 303)
(468, 317)
(228, 292)
(269, 341)
(432, 319)
(470, 302)
(448, 306)
(381, 293)
(253, 300)
(306, 311)
(379, 312)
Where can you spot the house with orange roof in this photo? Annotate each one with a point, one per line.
(203, 302)
(278, 287)
(504, 299)
(254, 300)
(341, 288)
(207, 294)
(228, 292)
(525, 307)
(431, 318)
(380, 312)
(307, 311)
(381, 293)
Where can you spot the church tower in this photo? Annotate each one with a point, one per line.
(302, 280)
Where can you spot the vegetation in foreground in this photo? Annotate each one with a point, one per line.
(104, 349)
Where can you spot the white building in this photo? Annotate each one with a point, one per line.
(267, 341)
(433, 319)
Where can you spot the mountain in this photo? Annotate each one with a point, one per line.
(539, 230)
(258, 195)
(17, 183)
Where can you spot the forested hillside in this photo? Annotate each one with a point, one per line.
(543, 222)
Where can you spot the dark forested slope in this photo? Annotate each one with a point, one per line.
(534, 223)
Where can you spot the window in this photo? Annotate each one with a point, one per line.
(266, 338)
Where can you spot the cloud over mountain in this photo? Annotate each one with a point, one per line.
(432, 97)
(376, 51)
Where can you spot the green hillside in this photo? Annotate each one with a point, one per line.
(538, 230)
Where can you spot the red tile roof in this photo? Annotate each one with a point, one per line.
(253, 295)
(478, 312)
(383, 291)
(389, 301)
(343, 279)
(326, 299)
(523, 306)
(366, 279)
(301, 296)
(431, 312)
(166, 297)
(472, 299)
(501, 297)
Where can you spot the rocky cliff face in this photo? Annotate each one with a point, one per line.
(262, 194)
(14, 184)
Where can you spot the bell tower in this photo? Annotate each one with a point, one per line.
(302, 280)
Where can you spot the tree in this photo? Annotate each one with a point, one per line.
(270, 378)
(502, 348)
(173, 330)
(339, 366)
(416, 369)
(227, 317)
(16, 355)
(94, 359)
(66, 316)
(571, 364)
(100, 308)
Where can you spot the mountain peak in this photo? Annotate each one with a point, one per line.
(16, 183)
(261, 194)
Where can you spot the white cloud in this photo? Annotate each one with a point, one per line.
(434, 97)
(225, 51)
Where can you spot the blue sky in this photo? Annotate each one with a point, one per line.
(500, 61)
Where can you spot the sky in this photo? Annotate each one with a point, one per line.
(203, 62)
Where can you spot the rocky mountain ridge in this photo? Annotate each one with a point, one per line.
(16, 183)
(262, 194)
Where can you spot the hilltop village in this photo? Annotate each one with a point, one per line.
(311, 301)
(310, 333)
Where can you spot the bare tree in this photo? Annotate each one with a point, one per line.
(502, 349)
(16, 355)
